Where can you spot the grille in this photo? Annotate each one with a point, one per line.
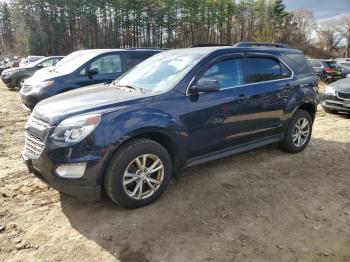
(36, 122)
(34, 146)
(344, 95)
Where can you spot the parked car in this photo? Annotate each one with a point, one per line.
(177, 109)
(29, 60)
(86, 67)
(327, 70)
(345, 66)
(15, 77)
(337, 97)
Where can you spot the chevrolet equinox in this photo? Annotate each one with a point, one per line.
(177, 109)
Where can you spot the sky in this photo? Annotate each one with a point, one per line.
(322, 9)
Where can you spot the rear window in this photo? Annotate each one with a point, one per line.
(300, 65)
(259, 69)
(132, 59)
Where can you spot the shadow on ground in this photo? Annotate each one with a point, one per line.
(261, 205)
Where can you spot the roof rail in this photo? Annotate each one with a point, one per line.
(145, 48)
(261, 44)
(207, 45)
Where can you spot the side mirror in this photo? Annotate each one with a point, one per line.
(39, 66)
(92, 72)
(206, 85)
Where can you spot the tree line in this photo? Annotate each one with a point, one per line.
(53, 27)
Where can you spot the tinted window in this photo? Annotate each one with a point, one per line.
(316, 64)
(261, 69)
(301, 65)
(228, 73)
(132, 59)
(108, 64)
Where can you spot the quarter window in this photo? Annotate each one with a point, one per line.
(264, 69)
(109, 64)
(228, 73)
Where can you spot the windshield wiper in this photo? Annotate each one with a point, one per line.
(131, 87)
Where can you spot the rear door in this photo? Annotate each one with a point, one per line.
(256, 110)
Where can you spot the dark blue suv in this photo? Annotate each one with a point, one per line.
(79, 69)
(177, 109)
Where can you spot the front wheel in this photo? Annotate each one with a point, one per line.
(298, 133)
(138, 173)
(20, 82)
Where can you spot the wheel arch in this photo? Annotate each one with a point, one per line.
(310, 108)
(162, 138)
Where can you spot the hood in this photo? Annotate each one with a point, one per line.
(42, 75)
(14, 69)
(87, 99)
(342, 85)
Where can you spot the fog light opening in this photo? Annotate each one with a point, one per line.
(74, 170)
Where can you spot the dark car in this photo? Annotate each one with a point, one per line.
(83, 68)
(337, 97)
(327, 70)
(15, 77)
(345, 66)
(177, 109)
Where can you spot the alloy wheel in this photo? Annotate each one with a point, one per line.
(301, 132)
(143, 176)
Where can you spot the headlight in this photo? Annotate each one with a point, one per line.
(330, 90)
(45, 84)
(76, 128)
(7, 74)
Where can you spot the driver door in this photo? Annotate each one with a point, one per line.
(207, 111)
(105, 68)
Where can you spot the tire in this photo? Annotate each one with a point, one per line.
(19, 82)
(123, 167)
(289, 144)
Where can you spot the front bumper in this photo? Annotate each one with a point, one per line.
(8, 81)
(332, 102)
(85, 188)
(29, 100)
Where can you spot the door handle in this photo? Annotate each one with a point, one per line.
(241, 98)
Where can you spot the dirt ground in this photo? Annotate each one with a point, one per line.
(264, 205)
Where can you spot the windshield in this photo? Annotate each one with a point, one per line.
(37, 61)
(73, 61)
(161, 72)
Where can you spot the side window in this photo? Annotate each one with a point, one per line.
(315, 64)
(108, 64)
(132, 59)
(49, 62)
(260, 69)
(227, 72)
(301, 65)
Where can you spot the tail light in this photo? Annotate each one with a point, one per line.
(329, 70)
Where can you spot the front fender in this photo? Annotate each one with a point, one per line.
(119, 127)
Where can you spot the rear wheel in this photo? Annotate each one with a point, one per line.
(298, 133)
(138, 173)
